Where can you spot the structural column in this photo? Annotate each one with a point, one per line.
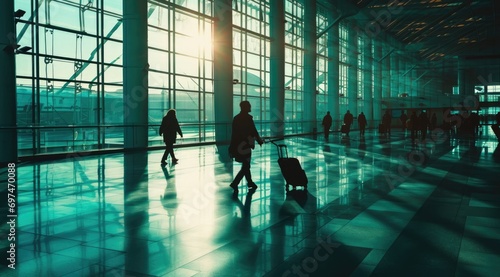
(486, 93)
(223, 70)
(470, 82)
(466, 79)
(135, 73)
(377, 79)
(461, 77)
(413, 82)
(367, 79)
(395, 75)
(333, 70)
(403, 77)
(8, 132)
(310, 66)
(277, 63)
(352, 71)
(386, 71)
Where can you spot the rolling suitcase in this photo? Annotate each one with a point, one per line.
(496, 130)
(343, 129)
(291, 169)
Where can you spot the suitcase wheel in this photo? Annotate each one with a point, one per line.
(287, 187)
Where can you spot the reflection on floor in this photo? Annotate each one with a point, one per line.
(374, 206)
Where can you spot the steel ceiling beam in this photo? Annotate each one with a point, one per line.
(438, 21)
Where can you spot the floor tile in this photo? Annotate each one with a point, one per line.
(370, 208)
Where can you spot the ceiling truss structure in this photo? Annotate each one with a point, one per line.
(436, 33)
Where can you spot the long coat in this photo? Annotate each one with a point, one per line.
(327, 121)
(243, 137)
(169, 128)
(348, 118)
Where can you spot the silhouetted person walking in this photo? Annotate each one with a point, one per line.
(348, 119)
(362, 123)
(387, 121)
(243, 138)
(413, 126)
(169, 128)
(403, 118)
(327, 123)
(423, 123)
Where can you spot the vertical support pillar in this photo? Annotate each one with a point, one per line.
(395, 75)
(387, 71)
(377, 79)
(8, 132)
(466, 79)
(367, 79)
(486, 93)
(333, 70)
(135, 73)
(310, 65)
(470, 82)
(461, 80)
(413, 83)
(352, 75)
(277, 63)
(223, 70)
(404, 77)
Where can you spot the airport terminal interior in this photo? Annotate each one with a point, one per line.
(85, 85)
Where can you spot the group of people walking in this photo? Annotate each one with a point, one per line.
(418, 124)
(244, 134)
(347, 122)
(243, 137)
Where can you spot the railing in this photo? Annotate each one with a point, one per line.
(33, 140)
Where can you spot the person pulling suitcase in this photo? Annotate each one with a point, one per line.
(243, 137)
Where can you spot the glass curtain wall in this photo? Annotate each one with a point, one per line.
(343, 68)
(251, 60)
(181, 61)
(491, 101)
(294, 56)
(70, 85)
(361, 74)
(322, 66)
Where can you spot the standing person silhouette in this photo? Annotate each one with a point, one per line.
(403, 118)
(362, 123)
(386, 121)
(169, 128)
(327, 123)
(423, 124)
(348, 119)
(243, 138)
(413, 126)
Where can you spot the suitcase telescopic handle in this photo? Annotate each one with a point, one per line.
(282, 148)
(282, 151)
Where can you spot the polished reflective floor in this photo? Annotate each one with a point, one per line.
(378, 206)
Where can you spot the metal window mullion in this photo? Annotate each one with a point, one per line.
(101, 100)
(201, 62)
(172, 73)
(35, 112)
